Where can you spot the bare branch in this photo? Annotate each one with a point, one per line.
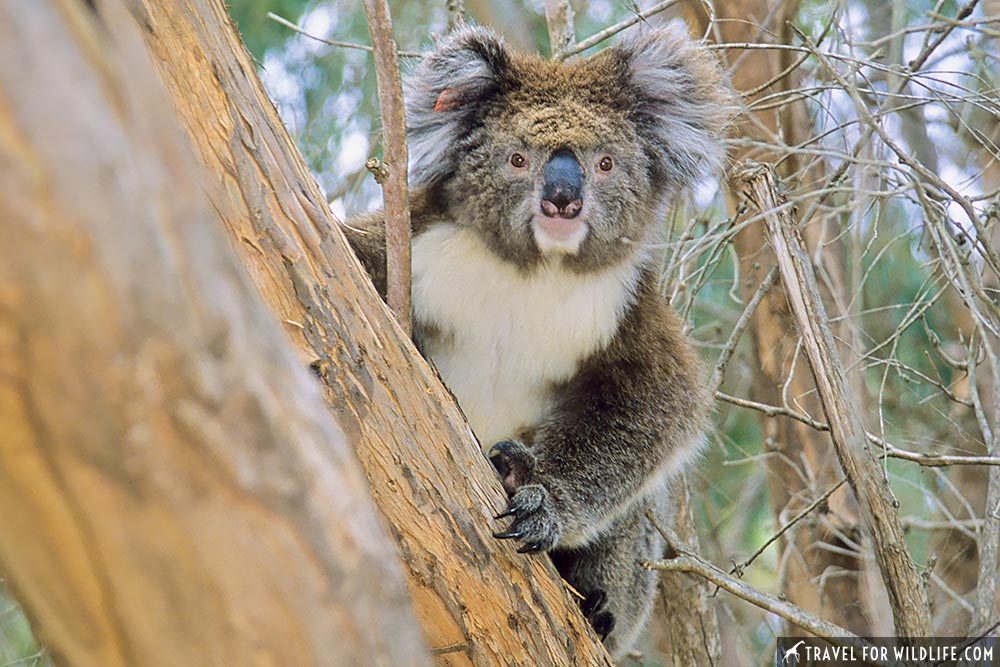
(559, 18)
(332, 42)
(394, 189)
(790, 612)
(739, 568)
(607, 33)
(907, 590)
(741, 324)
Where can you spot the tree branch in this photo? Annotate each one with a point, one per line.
(396, 204)
(907, 591)
(333, 42)
(177, 492)
(611, 31)
(428, 476)
(929, 460)
(559, 19)
(790, 612)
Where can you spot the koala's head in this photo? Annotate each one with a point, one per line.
(574, 160)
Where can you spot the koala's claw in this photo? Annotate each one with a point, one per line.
(530, 549)
(601, 620)
(536, 523)
(504, 514)
(514, 461)
(509, 535)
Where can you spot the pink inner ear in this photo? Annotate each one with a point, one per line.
(448, 99)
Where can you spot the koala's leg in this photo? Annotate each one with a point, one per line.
(608, 572)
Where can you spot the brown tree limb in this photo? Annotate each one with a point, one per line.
(559, 20)
(394, 187)
(929, 460)
(804, 459)
(478, 602)
(906, 588)
(175, 491)
(786, 610)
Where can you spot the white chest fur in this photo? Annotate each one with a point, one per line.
(506, 336)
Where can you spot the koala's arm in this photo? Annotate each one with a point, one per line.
(366, 235)
(631, 416)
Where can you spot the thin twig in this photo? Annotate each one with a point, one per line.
(332, 42)
(738, 569)
(741, 324)
(607, 33)
(394, 189)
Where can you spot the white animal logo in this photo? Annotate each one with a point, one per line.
(794, 651)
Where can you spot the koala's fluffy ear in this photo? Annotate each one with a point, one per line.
(444, 97)
(682, 104)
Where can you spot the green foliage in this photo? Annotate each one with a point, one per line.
(18, 647)
(260, 33)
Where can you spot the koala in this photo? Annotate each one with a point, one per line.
(537, 190)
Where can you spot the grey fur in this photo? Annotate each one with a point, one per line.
(631, 412)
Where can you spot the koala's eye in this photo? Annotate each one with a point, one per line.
(606, 164)
(518, 160)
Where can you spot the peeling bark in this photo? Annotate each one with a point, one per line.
(479, 602)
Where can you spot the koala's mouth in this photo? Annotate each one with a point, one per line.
(559, 235)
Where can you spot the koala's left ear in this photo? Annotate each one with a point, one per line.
(446, 94)
(682, 104)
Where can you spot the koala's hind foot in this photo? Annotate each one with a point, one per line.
(594, 607)
(619, 592)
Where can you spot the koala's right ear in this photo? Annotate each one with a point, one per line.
(444, 97)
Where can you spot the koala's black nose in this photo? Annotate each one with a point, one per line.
(561, 186)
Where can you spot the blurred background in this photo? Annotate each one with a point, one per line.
(881, 118)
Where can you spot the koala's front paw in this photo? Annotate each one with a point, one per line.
(536, 522)
(514, 461)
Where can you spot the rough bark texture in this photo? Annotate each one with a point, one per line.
(802, 463)
(904, 584)
(175, 491)
(478, 601)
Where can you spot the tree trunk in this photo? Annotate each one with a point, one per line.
(175, 492)
(479, 602)
(684, 628)
(802, 464)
